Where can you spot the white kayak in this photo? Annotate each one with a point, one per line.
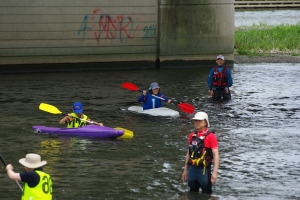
(164, 112)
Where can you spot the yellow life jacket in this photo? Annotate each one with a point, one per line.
(75, 123)
(43, 190)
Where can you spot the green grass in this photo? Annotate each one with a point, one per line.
(263, 39)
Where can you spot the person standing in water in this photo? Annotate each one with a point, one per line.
(219, 80)
(37, 183)
(201, 155)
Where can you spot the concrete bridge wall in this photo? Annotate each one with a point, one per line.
(72, 31)
(196, 30)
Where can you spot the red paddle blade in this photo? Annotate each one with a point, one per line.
(130, 86)
(185, 107)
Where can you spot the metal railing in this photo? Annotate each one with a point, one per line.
(267, 4)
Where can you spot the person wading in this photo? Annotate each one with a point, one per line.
(219, 80)
(202, 153)
(37, 183)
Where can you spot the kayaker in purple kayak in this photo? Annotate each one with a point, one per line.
(77, 118)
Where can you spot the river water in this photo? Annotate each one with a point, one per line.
(258, 133)
(269, 17)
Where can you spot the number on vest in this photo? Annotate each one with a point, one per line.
(47, 185)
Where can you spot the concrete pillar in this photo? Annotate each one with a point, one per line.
(196, 30)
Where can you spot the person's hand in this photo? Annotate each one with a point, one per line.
(9, 166)
(227, 89)
(68, 118)
(214, 177)
(211, 93)
(96, 123)
(170, 100)
(184, 176)
(144, 92)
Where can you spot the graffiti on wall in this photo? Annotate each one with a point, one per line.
(149, 31)
(104, 26)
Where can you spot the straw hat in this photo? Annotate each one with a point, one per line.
(32, 161)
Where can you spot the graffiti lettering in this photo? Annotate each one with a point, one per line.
(104, 26)
(83, 28)
(150, 31)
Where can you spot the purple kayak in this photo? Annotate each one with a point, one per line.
(85, 131)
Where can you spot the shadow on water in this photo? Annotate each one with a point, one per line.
(258, 133)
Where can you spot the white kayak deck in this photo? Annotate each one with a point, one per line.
(164, 112)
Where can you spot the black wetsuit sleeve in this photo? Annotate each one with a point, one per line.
(31, 178)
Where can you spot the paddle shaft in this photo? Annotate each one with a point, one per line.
(133, 87)
(154, 95)
(89, 121)
(185, 107)
(4, 163)
(158, 97)
(177, 104)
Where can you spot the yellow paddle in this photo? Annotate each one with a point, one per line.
(53, 110)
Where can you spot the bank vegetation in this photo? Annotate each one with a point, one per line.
(260, 40)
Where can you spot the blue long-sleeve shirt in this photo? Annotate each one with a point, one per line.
(211, 74)
(150, 102)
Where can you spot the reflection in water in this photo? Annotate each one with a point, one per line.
(257, 131)
(50, 148)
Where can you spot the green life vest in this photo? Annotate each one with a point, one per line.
(43, 190)
(75, 123)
